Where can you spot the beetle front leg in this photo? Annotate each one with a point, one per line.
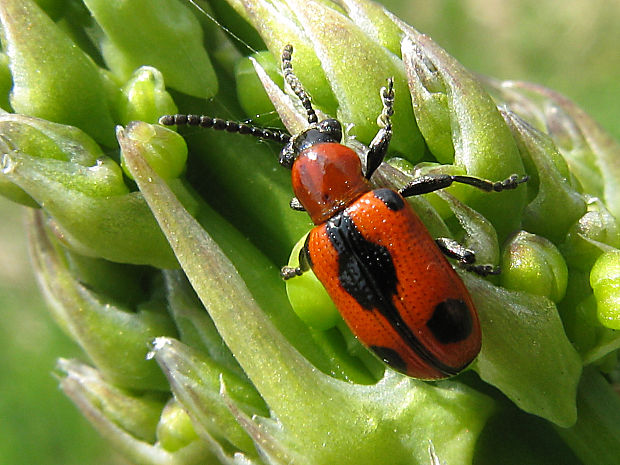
(288, 272)
(381, 141)
(465, 257)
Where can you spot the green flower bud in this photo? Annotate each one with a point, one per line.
(605, 280)
(595, 342)
(158, 33)
(175, 429)
(59, 153)
(164, 150)
(144, 97)
(308, 296)
(531, 263)
(37, 50)
(595, 232)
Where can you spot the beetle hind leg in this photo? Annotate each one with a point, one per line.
(465, 257)
(483, 269)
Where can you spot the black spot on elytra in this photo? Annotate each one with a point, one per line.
(366, 271)
(390, 198)
(391, 357)
(451, 321)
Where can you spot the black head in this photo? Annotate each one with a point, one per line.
(328, 130)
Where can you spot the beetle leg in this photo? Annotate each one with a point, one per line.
(453, 249)
(288, 272)
(296, 205)
(434, 182)
(379, 145)
(465, 257)
(482, 269)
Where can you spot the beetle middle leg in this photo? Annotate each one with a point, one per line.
(434, 182)
(465, 257)
(288, 272)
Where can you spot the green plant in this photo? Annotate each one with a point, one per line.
(246, 374)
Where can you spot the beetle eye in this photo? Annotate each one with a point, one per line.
(332, 127)
(287, 155)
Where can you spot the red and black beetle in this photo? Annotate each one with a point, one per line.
(387, 276)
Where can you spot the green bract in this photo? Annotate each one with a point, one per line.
(165, 35)
(159, 252)
(38, 51)
(83, 192)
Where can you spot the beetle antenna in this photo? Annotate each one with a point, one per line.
(219, 124)
(295, 84)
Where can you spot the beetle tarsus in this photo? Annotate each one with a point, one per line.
(482, 269)
(288, 272)
(379, 146)
(454, 249)
(465, 257)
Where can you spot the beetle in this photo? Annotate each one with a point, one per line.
(387, 276)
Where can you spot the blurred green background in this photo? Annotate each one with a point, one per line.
(568, 45)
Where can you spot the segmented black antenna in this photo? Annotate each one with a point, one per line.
(219, 124)
(295, 84)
